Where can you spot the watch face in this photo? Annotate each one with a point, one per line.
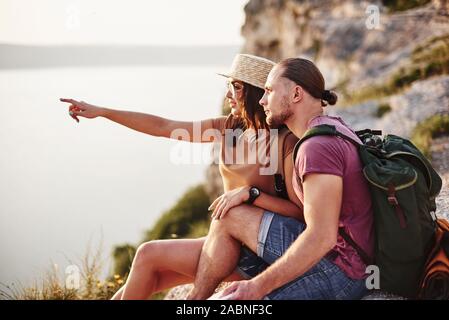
(254, 192)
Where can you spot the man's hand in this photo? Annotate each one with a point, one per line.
(228, 200)
(242, 290)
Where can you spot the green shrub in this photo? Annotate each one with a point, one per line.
(405, 78)
(427, 130)
(401, 5)
(316, 48)
(428, 59)
(382, 110)
(180, 221)
(123, 257)
(199, 229)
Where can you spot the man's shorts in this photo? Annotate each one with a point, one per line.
(325, 280)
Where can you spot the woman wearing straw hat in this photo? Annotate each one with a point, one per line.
(163, 264)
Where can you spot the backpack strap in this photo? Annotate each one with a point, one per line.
(279, 176)
(370, 131)
(365, 258)
(322, 130)
(329, 130)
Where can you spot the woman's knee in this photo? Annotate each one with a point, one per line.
(148, 254)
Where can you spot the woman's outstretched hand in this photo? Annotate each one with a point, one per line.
(228, 200)
(82, 109)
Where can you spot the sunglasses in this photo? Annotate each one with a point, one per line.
(234, 87)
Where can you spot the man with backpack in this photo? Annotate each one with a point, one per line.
(366, 200)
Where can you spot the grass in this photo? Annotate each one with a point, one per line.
(78, 283)
(316, 47)
(382, 109)
(428, 59)
(402, 5)
(432, 127)
(188, 218)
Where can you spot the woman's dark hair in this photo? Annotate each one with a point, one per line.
(253, 114)
(305, 74)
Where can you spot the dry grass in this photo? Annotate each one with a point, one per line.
(435, 126)
(427, 60)
(56, 285)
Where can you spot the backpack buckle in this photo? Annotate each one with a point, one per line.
(392, 200)
(391, 195)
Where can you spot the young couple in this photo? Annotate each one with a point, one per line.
(271, 246)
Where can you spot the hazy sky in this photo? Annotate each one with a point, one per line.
(152, 22)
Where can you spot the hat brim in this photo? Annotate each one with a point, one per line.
(240, 79)
(224, 75)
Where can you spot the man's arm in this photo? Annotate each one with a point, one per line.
(322, 204)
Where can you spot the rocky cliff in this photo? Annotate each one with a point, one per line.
(345, 38)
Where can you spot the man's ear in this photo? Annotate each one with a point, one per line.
(298, 94)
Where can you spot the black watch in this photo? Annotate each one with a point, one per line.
(253, 194)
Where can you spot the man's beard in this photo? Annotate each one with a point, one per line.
(276, 120)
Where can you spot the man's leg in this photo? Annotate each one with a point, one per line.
(221, 249)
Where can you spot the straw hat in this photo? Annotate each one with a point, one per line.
(250, 69)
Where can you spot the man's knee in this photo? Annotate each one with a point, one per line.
(235, 219)
(231, 218)
(239, 213)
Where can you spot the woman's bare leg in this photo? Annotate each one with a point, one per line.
(118, 294)
(166, 279)
(162, 264)
(170, 279)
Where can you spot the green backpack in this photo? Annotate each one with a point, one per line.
(403, 187)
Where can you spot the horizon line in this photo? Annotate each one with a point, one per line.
(13, 56)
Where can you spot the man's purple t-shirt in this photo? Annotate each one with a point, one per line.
(333, 155)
